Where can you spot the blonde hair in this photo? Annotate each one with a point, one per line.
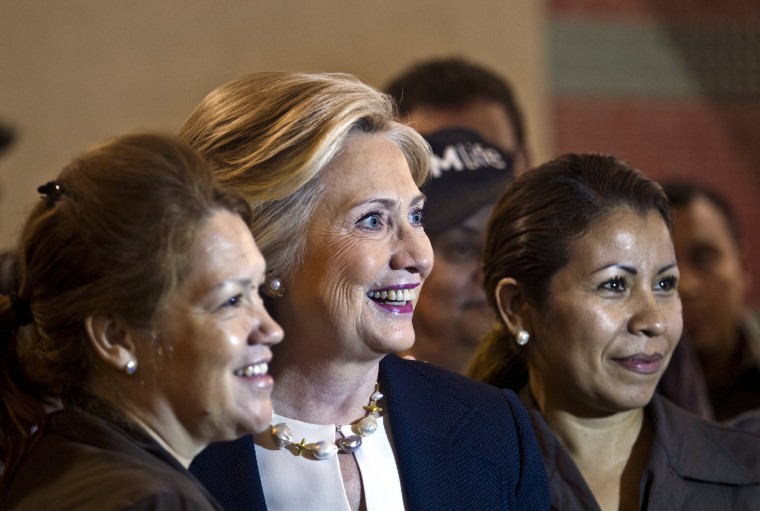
(269, 136)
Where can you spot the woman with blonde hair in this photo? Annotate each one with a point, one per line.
(334, 184)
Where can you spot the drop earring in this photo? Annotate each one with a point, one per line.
(522, 337)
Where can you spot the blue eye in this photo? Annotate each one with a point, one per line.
(371, 221)
(416, 217)
(615, 284)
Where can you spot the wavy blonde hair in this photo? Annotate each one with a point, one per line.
(270, 135)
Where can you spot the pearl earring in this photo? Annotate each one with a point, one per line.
(522, 337)
(274, 288)
(130, 367)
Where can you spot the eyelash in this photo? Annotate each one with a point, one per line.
(669, 283)
(233, 301)
(415, 218)
(362, 222)
(420, 214)
(614, 284)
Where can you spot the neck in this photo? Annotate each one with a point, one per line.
(607, 439)
(182, 451)
(161, 424)
(323, 392)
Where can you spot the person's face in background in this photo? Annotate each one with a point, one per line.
(488, 118)
(452, 313)
(611, 321)
(210, 365)
(713, 277)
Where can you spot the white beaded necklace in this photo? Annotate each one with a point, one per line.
(325, 449)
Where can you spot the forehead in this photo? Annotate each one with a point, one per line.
(624, 235)
(487, 117)
(223, 248)
(701, 220)
(368, 163)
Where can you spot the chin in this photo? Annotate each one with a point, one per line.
(259, 422)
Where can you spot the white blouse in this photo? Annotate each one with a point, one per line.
(294, 482)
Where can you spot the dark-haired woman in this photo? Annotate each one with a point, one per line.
(137, 318)
(580, 266)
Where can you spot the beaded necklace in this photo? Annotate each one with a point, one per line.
(325, 449)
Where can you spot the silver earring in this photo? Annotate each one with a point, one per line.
(130, 367)
(522, 337)
(274, 288)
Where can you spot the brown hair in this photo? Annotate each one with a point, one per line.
(454, 82)
(531, 232)
(114, 240)
(269, 136)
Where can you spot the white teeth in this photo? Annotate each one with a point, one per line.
(253, 370)
(401, 295)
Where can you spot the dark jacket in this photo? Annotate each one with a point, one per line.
(694, 464)
(461, 445)
(83, 462)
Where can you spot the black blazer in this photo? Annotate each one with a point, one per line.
(461, 445)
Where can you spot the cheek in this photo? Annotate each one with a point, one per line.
(351, 261)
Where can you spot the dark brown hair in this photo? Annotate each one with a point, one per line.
(115, 240)
(454, 82)
(531, 232)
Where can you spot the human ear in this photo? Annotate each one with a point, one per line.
(111, 340)
(511, 304)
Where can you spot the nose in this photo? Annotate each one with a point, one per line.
(649, 318)
(266, 330)
(412, 251)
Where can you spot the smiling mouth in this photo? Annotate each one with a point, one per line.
(257, 369)
(393, 297)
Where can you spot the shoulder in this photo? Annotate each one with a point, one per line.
(80, 474)
(726, 455)
(420, 388)
(436, 380)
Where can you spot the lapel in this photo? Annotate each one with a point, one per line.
(424, 414)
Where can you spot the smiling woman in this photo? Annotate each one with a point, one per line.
(137, 319)
(579, 264)
(334, 183)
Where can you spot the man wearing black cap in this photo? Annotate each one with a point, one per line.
(452, 314)
(449, 92)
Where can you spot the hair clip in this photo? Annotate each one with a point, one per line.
(52, 191)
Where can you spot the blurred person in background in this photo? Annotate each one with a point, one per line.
(454, 92)
(452, 314)
(713, 288)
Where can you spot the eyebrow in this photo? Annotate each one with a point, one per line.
(390, 203)
(631, 270)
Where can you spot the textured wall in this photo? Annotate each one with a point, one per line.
(672, 87)
(76, 71)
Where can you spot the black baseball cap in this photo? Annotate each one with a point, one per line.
(468, 173)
